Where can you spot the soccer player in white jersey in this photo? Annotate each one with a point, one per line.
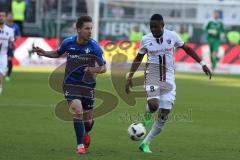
(159, 82)
(6, 39)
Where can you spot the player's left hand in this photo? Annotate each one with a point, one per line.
(207, 71)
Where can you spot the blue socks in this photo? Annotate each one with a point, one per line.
(79, 130)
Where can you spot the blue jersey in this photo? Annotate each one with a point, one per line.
(78, 58)
(16, 29)
(17, 33)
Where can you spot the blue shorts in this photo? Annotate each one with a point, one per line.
(84, 94)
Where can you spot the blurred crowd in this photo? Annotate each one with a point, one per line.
(17, 12)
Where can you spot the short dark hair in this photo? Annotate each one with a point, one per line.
(156, 17)
(83, 19)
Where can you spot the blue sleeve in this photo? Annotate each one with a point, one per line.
(62, 47)
(99, 53)
(17, 31)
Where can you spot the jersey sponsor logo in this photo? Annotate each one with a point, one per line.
(161, 50)
(80, 57)
(72, 48)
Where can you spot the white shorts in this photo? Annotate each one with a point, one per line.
(3, 64)
(164, 90)
(166, 101)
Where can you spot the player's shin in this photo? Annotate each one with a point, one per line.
(1, 87)
(9, 67)
(88, 126)
(156, 127)
(79, 130)
(78, 123)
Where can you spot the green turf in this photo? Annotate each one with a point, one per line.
(204, 124)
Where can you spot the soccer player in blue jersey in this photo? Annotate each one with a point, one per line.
(83, 53)
(10, 53)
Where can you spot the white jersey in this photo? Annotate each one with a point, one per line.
(161, 53)
(6, 36)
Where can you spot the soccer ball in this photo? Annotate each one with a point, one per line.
(136, 131)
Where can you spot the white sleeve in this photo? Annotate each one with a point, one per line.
(11, 37)
(178, 42)
(143, 49)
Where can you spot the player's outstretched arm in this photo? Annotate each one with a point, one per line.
(194, 55)
(136, 63)
(41, 52)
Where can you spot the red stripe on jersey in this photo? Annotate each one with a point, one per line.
(164, 68)
(160, 68)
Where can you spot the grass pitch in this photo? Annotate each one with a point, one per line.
(204, 123)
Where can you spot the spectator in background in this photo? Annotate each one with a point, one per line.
(233, 36)
(135, 34)
(18, 8)
(214, 29)
(10, 52)
(183, 34)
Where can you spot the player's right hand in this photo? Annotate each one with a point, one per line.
(39, 51)
(207, 71)
(128, 85)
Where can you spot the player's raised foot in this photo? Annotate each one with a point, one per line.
(86, 140)
(7, 79)
(145, 148)
(81, 150)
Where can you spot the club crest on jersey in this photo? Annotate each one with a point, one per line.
(150, 44)
(169, 41)
(7, 33)
(87, 50)
(66, 93)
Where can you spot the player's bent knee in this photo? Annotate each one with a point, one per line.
(153, 104)
(76, 107)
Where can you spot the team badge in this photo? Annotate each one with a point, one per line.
(87, 50)
(169, 41)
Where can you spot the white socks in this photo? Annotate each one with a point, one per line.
(156, 129)
(1, 88)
